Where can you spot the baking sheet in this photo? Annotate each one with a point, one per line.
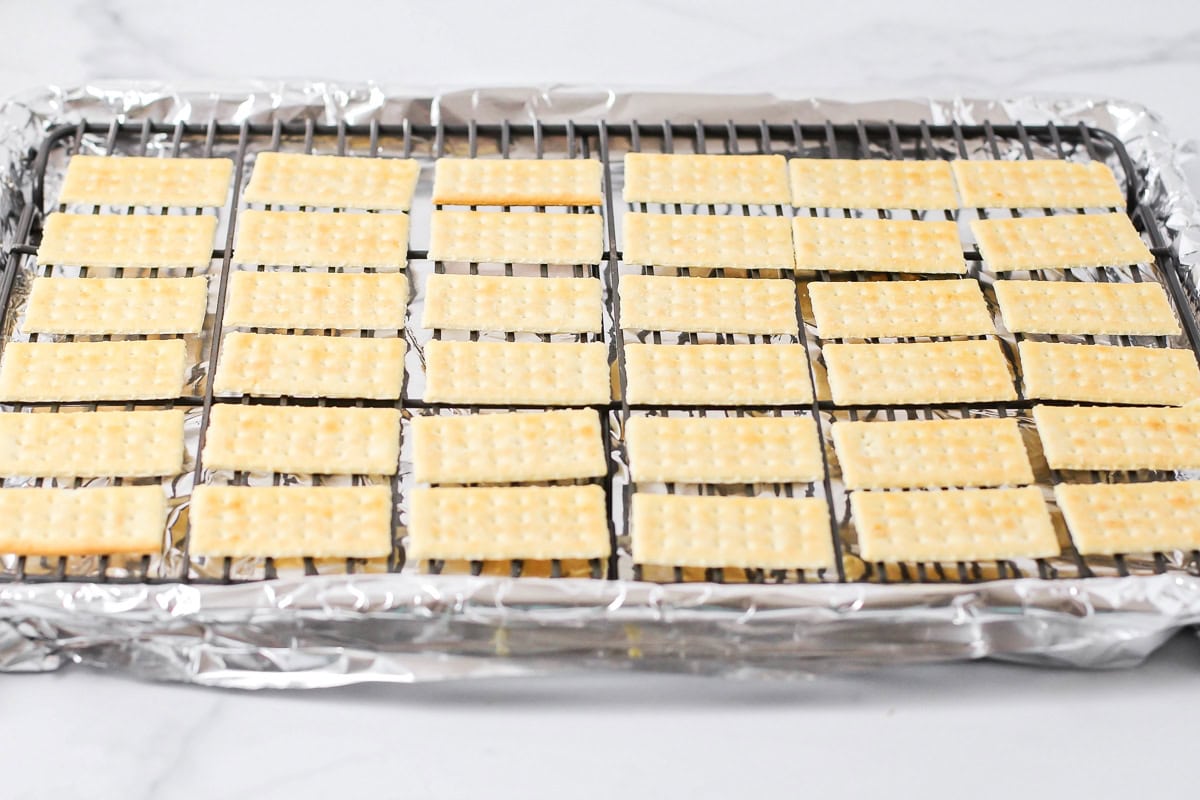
(328, 630)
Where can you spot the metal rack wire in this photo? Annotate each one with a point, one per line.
(608, 143)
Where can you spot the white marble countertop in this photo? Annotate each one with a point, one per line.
(980, 729)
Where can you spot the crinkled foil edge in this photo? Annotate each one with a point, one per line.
(334, 630)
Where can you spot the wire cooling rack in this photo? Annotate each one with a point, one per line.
(608, 143)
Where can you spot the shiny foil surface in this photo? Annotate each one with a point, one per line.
(331, 629)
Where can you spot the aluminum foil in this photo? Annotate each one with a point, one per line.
(299, 631)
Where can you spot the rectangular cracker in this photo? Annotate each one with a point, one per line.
(508, 447)
(124, 370)
(699, 178)
(1139, 309)
(950, 525)
(711, 305)
(877, 245)
(1042, 183)
(1059, 242)
(303, 439)
(507, 303)
(517, 373)
(748, 532)
(291, 521)
(931, 453)
(883, 309)
(724, 449)
(510, 237)
(973, 371)
(1112, 519)
(142, 181)
(871, 183)
(314, 239)
(518, 182)
(1084, 438)
(1092, 373)
(317, 300)
(717, 374)
(705, 240)
(116, 305)
(511, 522)
(96, 521)
(275, 365)
(92, 444)
(106, 240)
(299, 179)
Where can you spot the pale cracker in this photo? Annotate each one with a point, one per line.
(748, 532)
(507, 303)
(316, 300)
(1086, 308)
(116, 305)
(522, 373)
(124, 370)
(712, 305)
(1084, 438)
(1111, 519)
(948, 525)
(1042, 183)
(291, 521)
(508, 447)
(931, 453)
(510, 237)
(973, 371)
(303, 439)
(273, 365)
(871, 183)
(313, 239)
(106, 240)
(717, 374)
(511, 522)
(1065, 241)
(82, 522)
(704, 240)
(699, 178)
(707, 241)
(724, 449)
(1103, 374)
(297, 179)
(879, 309)
(143, 181)
(877, 245)
(88, 444)
(518, 182)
